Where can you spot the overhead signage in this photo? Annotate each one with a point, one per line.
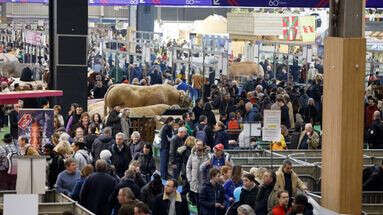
(217, 3)
(286, 3)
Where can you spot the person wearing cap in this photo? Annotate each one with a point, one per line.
(220, 158)
(217, 160)
(7, 181)
(249, 190)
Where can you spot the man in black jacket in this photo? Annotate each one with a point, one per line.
(104, 141)
(175, 158)
(375, 178)
(121, 155)
(265, 190)
(170, 202)
(114, 120)
(285, 118)
(375, 133)
(125, 182)
(212, 196)
(14, 119)
(96, 190)
(249, 191)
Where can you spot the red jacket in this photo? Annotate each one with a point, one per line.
(279, 210)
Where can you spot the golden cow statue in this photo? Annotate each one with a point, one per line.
(132, 96)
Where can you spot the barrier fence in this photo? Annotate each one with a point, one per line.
(52, 203)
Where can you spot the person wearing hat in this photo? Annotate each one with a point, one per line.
(249, 190)
(220, 158)
(7, 181)
(217, 160)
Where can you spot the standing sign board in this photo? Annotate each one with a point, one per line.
(271, 125)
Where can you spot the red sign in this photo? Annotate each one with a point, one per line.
(25, 121)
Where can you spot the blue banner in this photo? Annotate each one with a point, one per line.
(215, 3)
(286, 3)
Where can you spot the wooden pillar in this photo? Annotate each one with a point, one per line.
(343, 124)
(343, 108)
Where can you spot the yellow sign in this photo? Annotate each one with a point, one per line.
(307, 28)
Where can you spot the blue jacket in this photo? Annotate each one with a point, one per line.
(253, 115)
(183, 86)
(66, 182)
(229, 187)
(209, 196)
(75, 195)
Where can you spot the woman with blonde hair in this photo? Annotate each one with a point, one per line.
(63, 147)
(184, 152)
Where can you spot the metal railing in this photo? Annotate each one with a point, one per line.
(52, 203)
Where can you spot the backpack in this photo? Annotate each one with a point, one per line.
(201, 134)
(88, 157)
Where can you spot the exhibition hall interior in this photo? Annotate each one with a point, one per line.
(191, 107)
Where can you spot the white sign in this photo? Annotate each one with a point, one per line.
(271, 125)
(271, 118)
(21, 204)
(252, 129)
(271, 134)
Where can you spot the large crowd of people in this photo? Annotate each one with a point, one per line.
(109, 169)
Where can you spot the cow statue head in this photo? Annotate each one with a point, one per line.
(185, 100)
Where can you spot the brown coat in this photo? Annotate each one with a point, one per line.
(295, 181)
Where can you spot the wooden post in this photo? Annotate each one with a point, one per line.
(343, 109)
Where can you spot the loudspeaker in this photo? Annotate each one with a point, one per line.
(71, 17)
(68, 30)
(72, 79)
(71, 50)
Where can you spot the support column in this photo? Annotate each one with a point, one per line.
(343, 108)
(343, 119)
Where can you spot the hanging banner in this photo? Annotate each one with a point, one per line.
(218, 3)
(33, 38)
(307, 28)
(290, 27)
(287, 3)
(37, 125)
